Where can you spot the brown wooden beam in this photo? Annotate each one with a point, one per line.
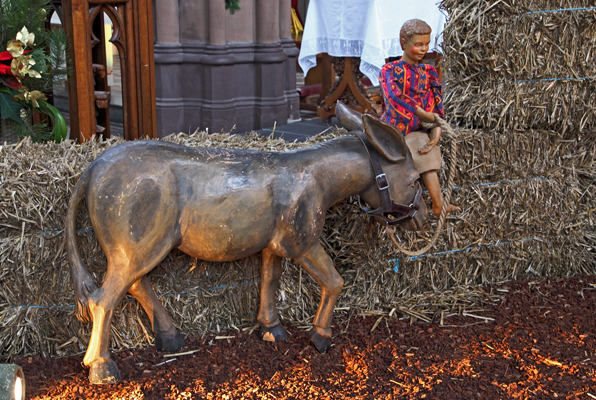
(80, 80)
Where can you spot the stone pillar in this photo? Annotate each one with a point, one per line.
(270, 59)
(285, 19)
(225, 69)
(217, 23)
(167, 22)
(285, 32)
(267, 21)
(219, 109)
(167, 67)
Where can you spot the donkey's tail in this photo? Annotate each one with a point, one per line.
(83, 282)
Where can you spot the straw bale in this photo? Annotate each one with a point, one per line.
(527, 203)
(521, 64)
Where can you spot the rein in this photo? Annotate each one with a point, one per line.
(390, 212)
(391, 231)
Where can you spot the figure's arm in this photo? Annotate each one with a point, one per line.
(435, 136)
(394, 95)
(437, 91)
(425, 116)
(434, 82)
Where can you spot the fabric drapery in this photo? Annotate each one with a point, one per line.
(368, 29)
(297, 27)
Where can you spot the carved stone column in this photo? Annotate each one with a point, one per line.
(285, 19)
(218, 108)
(267, 21)
(167, 66)
(270, 58)
(217, 23)
(227, 69)
(285, 32)
(167, 22)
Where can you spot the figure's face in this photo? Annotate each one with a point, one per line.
(416, 48)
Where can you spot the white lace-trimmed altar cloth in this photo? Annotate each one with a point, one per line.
(368, 29)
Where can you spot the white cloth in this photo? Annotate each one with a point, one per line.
(368, 29)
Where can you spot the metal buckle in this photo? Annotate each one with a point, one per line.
(379, 183)
(416, 202)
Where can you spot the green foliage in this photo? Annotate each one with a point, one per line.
(49, 53)
(29, 13)
(232, 5)
(51, 64)
(58, 122)
(9, 109)
(37, 132)
(33, 14)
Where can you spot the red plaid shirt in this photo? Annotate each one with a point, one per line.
(407, 87)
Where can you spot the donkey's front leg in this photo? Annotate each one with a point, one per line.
(271, 328)
(320, 266)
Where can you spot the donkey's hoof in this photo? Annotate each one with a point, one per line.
(166, 342)
(104, 373)
(273, 334)
(322, 343)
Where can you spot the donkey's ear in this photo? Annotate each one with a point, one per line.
(348, 118)
(385, 138)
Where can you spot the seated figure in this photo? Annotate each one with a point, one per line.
(412, 93)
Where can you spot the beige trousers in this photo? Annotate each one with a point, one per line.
(423, 162)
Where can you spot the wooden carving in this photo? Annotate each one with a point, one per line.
(132, 34)
(146, 198)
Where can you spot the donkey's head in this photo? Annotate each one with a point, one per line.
(399, 178)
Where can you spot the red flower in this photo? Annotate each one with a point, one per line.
(5, 68)
(6, 75)
(5, 55)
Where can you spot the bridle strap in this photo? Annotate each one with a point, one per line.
(380, 177)
(388, 206)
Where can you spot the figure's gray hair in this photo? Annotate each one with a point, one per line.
(411, 28)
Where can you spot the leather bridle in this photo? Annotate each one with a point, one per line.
(390, 212)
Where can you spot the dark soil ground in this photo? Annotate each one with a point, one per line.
(538, 342)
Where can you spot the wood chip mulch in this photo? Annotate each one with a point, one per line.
(537, 342)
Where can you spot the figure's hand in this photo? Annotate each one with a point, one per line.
(429, 146)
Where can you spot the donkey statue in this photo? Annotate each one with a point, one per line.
(146, 198)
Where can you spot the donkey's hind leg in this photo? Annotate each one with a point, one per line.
(120, 276)
(167, 337)
(102, 303)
